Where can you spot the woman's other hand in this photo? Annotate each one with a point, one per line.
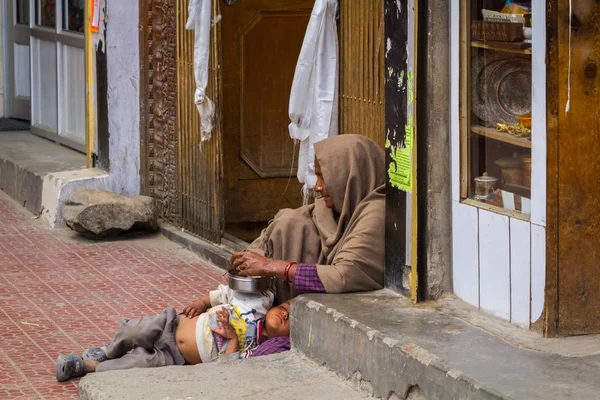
(247, 263)
(224, 329)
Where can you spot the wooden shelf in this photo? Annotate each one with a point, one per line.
(505, 47)
(492, 133)
(495, 208)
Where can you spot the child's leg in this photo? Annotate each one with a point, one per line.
(73, 366)
(152, 340)
(139, 332)
(90, 366)
(138, 358)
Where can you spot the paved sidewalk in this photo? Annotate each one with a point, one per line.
(60, 293)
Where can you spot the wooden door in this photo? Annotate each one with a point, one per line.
(261, 41)
(573, 291)
(200, 184)
(362, 72)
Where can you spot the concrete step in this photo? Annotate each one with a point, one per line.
(395, 349)
(282, 376)
(379, 344)
(24, 161)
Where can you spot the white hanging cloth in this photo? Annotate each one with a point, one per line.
(313, 106)
(199, 20)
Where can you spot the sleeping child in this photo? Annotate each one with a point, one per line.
(226, 323)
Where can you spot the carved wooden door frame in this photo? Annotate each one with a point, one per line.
(185, 179)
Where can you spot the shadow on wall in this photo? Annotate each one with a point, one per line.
(415, 393)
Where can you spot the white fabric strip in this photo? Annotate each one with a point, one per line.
(313, 108)
(199, 20)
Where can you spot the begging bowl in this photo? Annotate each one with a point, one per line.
(246, 284)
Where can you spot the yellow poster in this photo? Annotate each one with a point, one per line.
(400, 169)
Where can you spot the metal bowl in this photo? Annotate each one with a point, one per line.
(247, 284)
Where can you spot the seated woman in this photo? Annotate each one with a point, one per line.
(336, 244)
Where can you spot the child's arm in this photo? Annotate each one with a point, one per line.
(233, 347)
(227, 331)
(197, 307)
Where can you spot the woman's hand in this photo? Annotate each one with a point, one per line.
(224, 329)
(247, 263)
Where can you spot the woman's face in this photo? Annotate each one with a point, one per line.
(277, 321)
(320, 186)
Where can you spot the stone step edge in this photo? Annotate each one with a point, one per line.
(22, 185)
(212, 253)
(383, 366)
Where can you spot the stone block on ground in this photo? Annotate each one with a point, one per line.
(99, 214)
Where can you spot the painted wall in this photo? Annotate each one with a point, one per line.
(123, 67)
(499, 263)
(118, 41)
(433, 149)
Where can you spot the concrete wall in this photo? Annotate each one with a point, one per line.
(123, 67)
(118, 40)
(2, 59)
(433, 144)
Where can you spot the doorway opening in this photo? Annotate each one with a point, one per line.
(261, 45)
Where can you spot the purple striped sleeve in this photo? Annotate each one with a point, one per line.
(306, 279)
(271, 346)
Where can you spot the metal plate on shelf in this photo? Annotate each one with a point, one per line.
(500, 87)
(509, 90)
(479, 64)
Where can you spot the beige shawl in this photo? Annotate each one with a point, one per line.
(346, 243)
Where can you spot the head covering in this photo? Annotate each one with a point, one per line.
(353, 166)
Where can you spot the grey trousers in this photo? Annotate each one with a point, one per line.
(152, 340)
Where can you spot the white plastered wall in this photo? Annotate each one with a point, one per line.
(499, 262)
(122, 55)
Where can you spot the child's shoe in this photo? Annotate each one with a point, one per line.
(68, 367)
(96, 354)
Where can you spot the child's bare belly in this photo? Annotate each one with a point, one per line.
(185, 335)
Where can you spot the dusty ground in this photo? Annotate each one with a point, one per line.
(60, 293)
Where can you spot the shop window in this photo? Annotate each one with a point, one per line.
(46, 13)
(73, 15)
(23, 12)
(496, 93)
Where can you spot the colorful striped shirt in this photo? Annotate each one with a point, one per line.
(271, 346)
(265, 346)
(306, 279)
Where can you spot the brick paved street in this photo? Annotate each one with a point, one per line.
(60, 293)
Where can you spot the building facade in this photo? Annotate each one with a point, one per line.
(61, 75)
(491, 141)
(522, 214)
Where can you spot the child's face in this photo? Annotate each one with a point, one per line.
(277, 321)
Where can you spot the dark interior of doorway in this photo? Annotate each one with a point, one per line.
(11, 125)
(246, 231)
(261, 42)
